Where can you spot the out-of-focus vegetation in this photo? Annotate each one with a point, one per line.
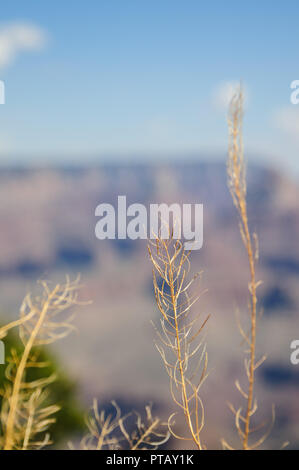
(34, 413)
(70, 417)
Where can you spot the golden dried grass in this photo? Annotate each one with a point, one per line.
(236, 172)
(183, 354)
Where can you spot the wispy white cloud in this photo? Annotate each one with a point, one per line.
(18, 37)
(224, 92)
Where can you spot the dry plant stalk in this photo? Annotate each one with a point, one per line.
(184, 357)
(110, 431)
(24, 414)
(236, 170)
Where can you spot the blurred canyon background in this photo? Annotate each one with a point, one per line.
(47, 230)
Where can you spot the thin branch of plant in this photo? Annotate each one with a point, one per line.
(183, 354)
(114, 431)
(236, 171)
(43, 320)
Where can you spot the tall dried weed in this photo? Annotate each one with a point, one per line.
(184, 356)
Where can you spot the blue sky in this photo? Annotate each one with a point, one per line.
(138, 78)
